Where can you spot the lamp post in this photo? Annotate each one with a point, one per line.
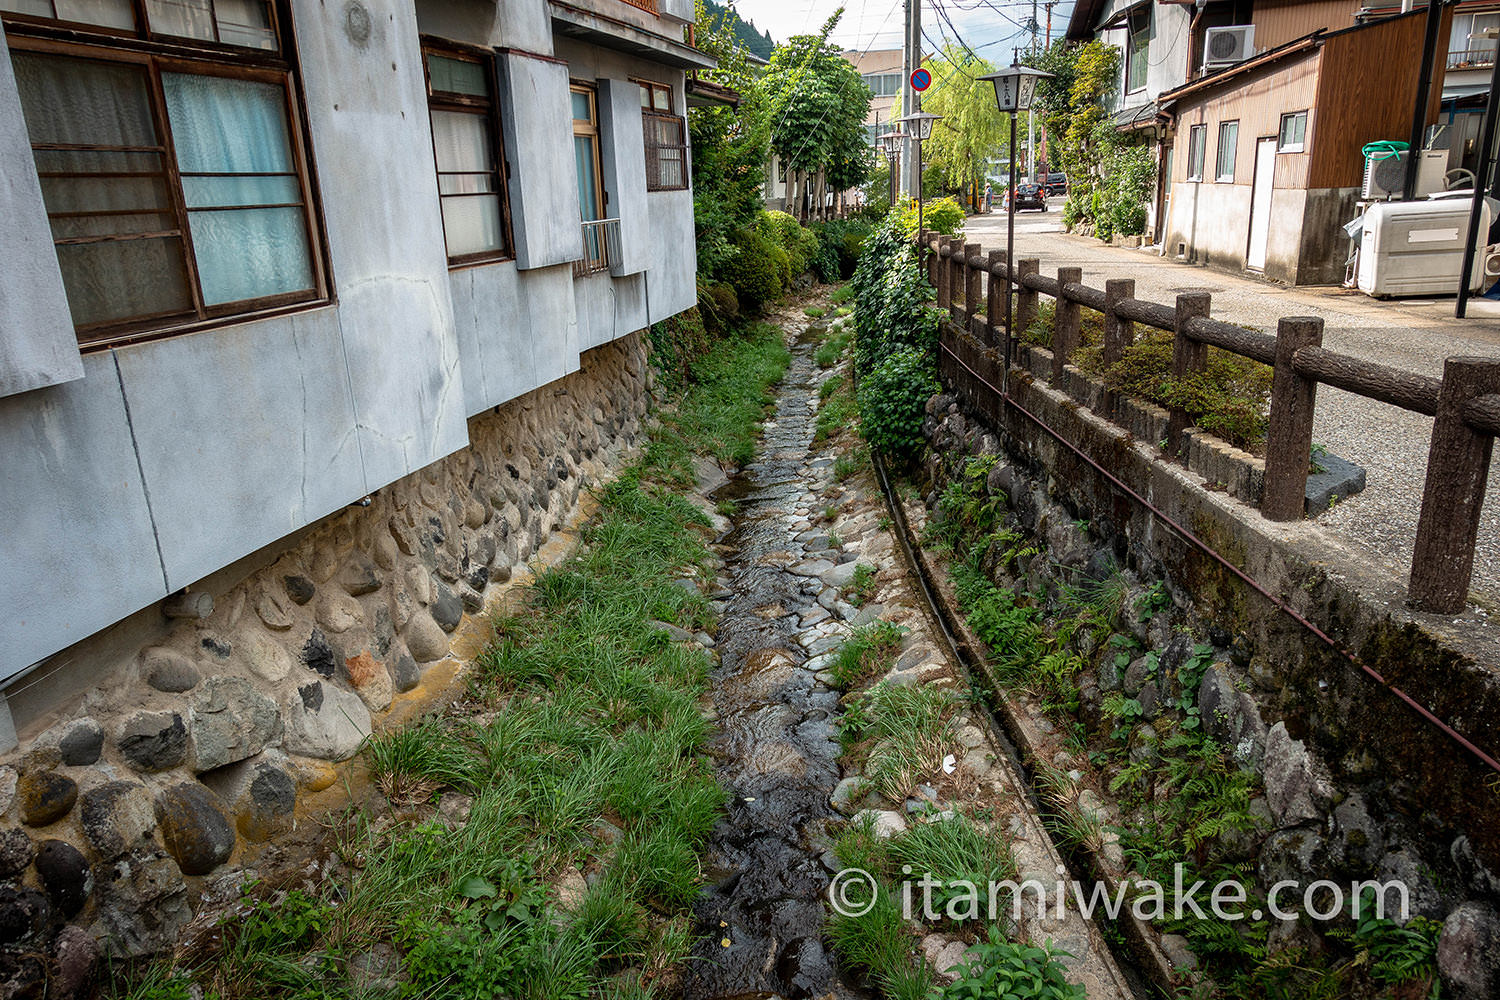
(892, 143)
(920, 123)
(1015, 89)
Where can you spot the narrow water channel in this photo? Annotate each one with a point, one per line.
(761, 919)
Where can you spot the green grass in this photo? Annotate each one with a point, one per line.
(815, 312)
(720, 414)
(842, 294)
(868, 652)
(833, 348)
(839, 410)
(901, 735)
(580, 746)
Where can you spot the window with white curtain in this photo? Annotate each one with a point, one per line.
(466, 143)
(177, 189)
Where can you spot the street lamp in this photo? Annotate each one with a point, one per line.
(892, 142)
(920, 124)
(1015, 89)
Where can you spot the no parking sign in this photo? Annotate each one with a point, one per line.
(921, 79)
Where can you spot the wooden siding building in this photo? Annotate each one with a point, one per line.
(1265, 164)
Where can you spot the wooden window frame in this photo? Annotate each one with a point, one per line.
(1299, 147)
(490, 109)
(1194, 131)
(1130, 40)
(652, 114)
(144, 33)
(157, 54)
(591, 128)
(1234, 155)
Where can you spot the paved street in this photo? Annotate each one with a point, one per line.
(1416, 335)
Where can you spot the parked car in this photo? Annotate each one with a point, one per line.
(1030, 196)
(1057, 185)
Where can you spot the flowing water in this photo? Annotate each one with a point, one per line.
(761, 919)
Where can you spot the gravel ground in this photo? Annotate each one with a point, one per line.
(1391, 444)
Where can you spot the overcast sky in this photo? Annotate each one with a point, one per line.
(990, 27)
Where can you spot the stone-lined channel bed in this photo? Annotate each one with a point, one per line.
(798, 537)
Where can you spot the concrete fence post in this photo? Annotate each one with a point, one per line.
(972, 290)
(1458, 466)
(1119, 333)
(1290, 427)
(944, 294)
(1189, 357)
(1067, 331)
(1026, 298)
(995, 299)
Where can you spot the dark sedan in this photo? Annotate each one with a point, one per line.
(1031, 196)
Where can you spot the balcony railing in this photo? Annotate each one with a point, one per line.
(601, 247)
(1472, 59)
(649, 6)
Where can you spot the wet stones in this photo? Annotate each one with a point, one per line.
(194, 828)
(24, 914)
(45, 797)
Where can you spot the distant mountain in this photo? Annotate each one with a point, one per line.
(758, 42)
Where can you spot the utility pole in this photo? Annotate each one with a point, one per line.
(911, 101)
(1050, 5)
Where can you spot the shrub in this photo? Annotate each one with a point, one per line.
(754, 273)
(799, 244)
(943, 215)
(893, 402)
(1229, 398)
(718, 304)
(675, 343)
(892, 297)
(841, 243)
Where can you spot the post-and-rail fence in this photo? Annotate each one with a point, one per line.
(1464, 403)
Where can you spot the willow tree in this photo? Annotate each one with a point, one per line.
(972, 129)
(817, 103)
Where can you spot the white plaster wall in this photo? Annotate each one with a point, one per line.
(77, 551)
(37, 345)
(537, 119)
(239, 450)
(367, 108)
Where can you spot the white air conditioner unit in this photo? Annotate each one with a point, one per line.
(1227, 46)
(1385, 177)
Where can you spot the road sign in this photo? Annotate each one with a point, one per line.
(921, 79)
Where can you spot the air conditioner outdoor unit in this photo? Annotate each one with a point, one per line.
(1385, 177)
(1227, 46)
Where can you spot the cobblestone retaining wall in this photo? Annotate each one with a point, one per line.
(200, 748)
(1356, 784)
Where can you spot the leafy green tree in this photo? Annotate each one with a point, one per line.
(730, 148)
(1081, 137)
(818, 104)
(972, 129)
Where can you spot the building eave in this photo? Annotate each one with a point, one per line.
(606, 32)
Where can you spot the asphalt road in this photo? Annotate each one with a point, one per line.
(1391, 444)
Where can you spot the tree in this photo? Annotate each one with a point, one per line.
(1081, 136)
(972, 129)
(818, 104)
(730, 149)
